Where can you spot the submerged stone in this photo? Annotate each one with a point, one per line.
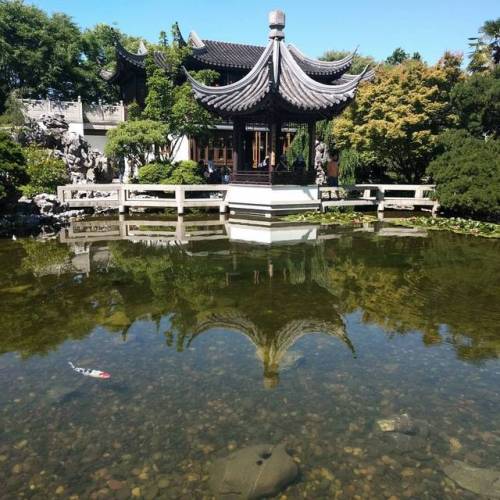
(398, 423)
(478, 480)
(401, 434)
(254, 472)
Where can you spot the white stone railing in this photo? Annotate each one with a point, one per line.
(71, 110)
(123, 196)
(75, 111)
(379, 195)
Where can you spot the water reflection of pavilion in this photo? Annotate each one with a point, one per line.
(272, 346)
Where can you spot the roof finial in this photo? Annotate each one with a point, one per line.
(277, 24)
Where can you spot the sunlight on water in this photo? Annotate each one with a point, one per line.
(215, 344)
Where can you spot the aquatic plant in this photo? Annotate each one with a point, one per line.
(454, 224)
(332, 217)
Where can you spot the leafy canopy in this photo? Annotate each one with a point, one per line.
(136, 140)
(48, 56)
(45, 172)
(467, 175)
(359, 61)
(476, 100)
(397, 118)
(12, 168)
(485, 53)
(171, 102)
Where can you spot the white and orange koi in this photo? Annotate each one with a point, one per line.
(87, 372)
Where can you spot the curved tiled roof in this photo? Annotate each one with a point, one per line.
(227, 55)
(276, 82)
(219, 55)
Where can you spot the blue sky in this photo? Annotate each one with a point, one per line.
(427, 26)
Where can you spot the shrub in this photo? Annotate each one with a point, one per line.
(185, 172)
(467, 175)
(12, 169)
(45, 172)
(154, 173)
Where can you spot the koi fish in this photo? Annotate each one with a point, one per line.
(87, 372)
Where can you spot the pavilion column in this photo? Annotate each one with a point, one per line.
(238, 146)
(275, 128)
(311, 130)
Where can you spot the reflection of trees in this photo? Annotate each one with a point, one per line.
(444, 286)
(408, 285)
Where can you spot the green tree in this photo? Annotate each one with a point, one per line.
(359, 62)
(170, 102)
(98, 54)
(48, 56)
(477, 103)
(467, 175)
(399, 56)
(13, 114)
(136, 140)
(40, 55)
(396, 119)
(12, 169)
(486, 47)
(185, 172)
(45, 172)
(154, 173)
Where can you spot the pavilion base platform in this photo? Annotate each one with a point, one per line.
(266, 232)
(272, 200)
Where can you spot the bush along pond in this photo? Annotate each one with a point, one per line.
(342, 361)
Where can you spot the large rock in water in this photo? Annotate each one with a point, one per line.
(481, 481)
(401, 434)
(254, 472)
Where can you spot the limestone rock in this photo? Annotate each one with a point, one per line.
(481, 481)
(254, 472)
(84, 164)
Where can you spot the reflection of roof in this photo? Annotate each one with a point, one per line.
(279, 341)
(271, 347)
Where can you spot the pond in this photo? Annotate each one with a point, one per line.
(215, 342)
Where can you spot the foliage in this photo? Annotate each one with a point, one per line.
(134, 111)
(454, 224)
(13, 114)
(486, 47)
(337, 217)
(12, 168)
(477, 103)
(359, 62)
(136, 140)
(396, 119)
(299, 146)
(45, 172)
(154, 173)
(185, 172)
(467, 175)
(172, 103)
(42, 257)
(399, 56)
(352, 167)
(99, 53)
(42, 55)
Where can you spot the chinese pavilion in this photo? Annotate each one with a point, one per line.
(262, 93)
(277, 90)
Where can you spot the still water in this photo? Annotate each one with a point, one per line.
(215, 343)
